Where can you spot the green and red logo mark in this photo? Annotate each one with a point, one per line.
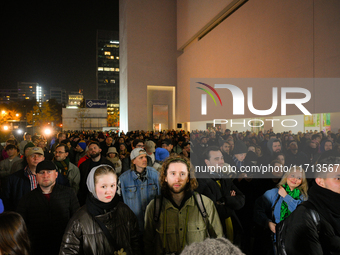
(204, 97)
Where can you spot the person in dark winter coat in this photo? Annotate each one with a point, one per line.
(47, 210)
(104, 225)
(219, 187)
(314, 227)
(24, 180)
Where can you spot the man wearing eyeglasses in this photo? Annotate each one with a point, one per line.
(47, 210)
(65, 167)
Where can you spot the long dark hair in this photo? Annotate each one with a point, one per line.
(13, 234)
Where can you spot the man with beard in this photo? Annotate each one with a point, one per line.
(95, 159)
(180, 221)
(47, 210)
(139, 185)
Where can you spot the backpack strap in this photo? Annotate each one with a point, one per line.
(200, 204)
(157, 207)
(273, 208)
(209, 229)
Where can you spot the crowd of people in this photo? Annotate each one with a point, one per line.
(148, 192)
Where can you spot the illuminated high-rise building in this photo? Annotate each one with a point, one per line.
(29, 90)
(108, 67)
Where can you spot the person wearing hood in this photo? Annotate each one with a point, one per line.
(273, 146)
(112, 155)
(104, 225)
(296, 157)
(311, 151)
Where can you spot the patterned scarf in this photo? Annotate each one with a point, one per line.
(295, 194)
(62, 166)
(142, 175)
(237, 162)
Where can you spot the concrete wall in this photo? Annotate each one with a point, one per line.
(262, 39)
(148, 55)
(84, 118)
(266, 39)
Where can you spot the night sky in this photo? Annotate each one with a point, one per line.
(53, 44)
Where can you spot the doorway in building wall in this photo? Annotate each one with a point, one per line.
(160, 117)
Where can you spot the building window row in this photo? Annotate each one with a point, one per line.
(108, 69)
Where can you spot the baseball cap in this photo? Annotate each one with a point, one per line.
(136, 152)
(35, 150)
(45, 165)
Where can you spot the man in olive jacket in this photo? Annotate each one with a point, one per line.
(180, 221)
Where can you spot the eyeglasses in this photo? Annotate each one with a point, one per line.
(59, 152)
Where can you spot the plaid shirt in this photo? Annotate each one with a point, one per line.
(32, 177)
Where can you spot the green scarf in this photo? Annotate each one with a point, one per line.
(62, 166)
(295, 194)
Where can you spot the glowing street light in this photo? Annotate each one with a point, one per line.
(47, 131)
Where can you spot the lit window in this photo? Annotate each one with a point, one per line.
(112, 81)
(27, 98)
(100, 68)
(30, 87)
(107, 53)
(117, 57)
(112, 69)
(117, 69)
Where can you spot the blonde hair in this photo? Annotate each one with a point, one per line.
(303, 186)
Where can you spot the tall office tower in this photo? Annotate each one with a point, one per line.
(29, 90)
(108, 67)
(58, 94)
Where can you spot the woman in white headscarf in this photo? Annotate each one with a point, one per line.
(104, 225)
